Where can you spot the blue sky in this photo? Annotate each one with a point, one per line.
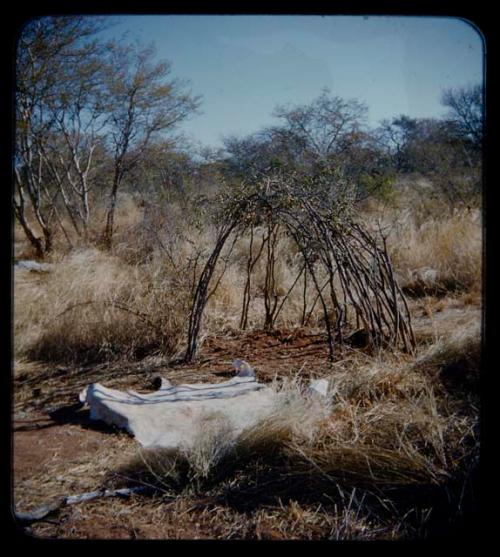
(243, 66)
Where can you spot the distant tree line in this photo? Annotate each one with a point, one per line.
(94, 118)
(330, 133)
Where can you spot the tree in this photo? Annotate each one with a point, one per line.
(79, 103)
(327, 133)
(47, 48)
(441, 153)
(253, 156)
(395, 137)
(143, 102)
(325, 129)
(434, 148)
(330, 134)
(465, 106)
(163, 170)
(77, 112)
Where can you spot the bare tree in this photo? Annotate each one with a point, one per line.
(79, 120)
(466, 110)
(47, 48)
(143, 101)
(325, 128)
(328, 132)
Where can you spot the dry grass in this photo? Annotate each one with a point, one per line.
(397, 433)
(455, 359)
(135, 301)
(93, 306)
(387, 457)
(374, 462)
(449, 245)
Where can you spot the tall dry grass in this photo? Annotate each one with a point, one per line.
(439, 254)
(94, 306)
(135, 299)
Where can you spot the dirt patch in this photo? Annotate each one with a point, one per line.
(59, 460)
(284, 352)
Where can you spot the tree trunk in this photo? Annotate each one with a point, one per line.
(109, 229)
(33, 240)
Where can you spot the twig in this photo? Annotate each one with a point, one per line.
(41, 512)
(116, 305)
